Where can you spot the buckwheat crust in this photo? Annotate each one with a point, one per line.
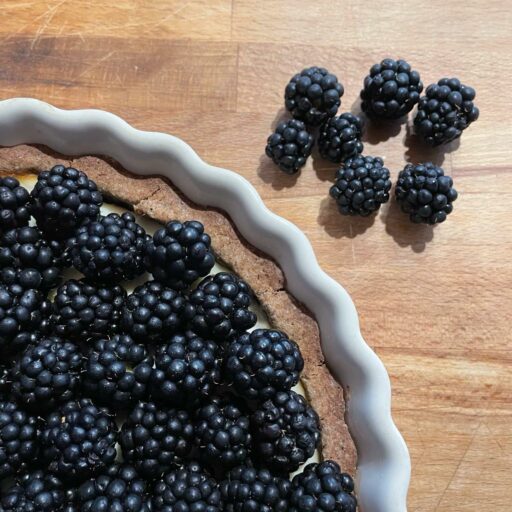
(157, 198)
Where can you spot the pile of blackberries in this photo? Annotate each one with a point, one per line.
(157, 400)
(390, 91)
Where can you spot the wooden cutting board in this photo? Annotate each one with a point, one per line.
(434, 303)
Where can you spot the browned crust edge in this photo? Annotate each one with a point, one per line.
(157, 198)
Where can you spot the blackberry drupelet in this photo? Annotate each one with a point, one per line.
(313, 95)
(27, 258)
(153, 312)
(290, 145)
(445, 111)
(179, 253)
(5, 377)
(85, 311)
(261, 363)
(187, 369)
(118, 489)
(19, 438)
(37, 491)
(79, 440)
(425, 193)
(24, 315)
(390, 90)
(340, 137)
(362, 185)
(153, 438)
(47, 374)
(63, 199)
(117, 371)
(14, 204)
(256, 490)
(286, 431)
(187, 489)
(109, 249)
(323, 488)
(222, 304)
(222, 432)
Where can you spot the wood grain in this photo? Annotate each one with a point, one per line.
(434, 303)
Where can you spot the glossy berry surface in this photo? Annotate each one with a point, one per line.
(340, 137)
(14, 204)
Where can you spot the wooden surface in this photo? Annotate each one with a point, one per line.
(434, 303)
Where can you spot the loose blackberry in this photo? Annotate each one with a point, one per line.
(63, 199)
(117, 371)
(79, 440)
(286, 431)
(187, 489)
(84, 310)
(19, 438)
(109, 249)
(390, 90)
(362, 185)
(186, 370)
(313, 95)
(37, 491)
(27, 258)
(222, 304)
(290, 145)
(425, 193)
(248, 489)
(24, 315)
(14, 204)
(179, 253)
(153, 438)
(445, 111)
(47, 374)
(118, 489)
(261, 363)
(322, 487)
(340, 137)
(153, 312)
(222, 432)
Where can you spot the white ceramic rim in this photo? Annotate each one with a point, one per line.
(383, 460)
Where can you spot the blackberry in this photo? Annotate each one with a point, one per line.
(79, 440)
(445, 111)
(109, 249)
(313, 95)
(24, 315)
(187, 489)
(340, 137)
(222, 304)
(14, 204)
(84, 310)
(179, 253)
(186, 370)
(117, 371)
(286, 431)
(322, 487)
(119, 488)
(390, 90)
(63, 199)
(261, 363)
(48, 373)
(290, 145)
(153, 438)
(256, 490)
(362, 185)
(222, 432)
(154, 312)
(19, 438)
(37, 491)
(425, 193)
(27, 258)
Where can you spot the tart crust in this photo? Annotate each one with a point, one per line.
(157, 198)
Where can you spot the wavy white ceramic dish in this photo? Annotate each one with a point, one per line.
(383, 460)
